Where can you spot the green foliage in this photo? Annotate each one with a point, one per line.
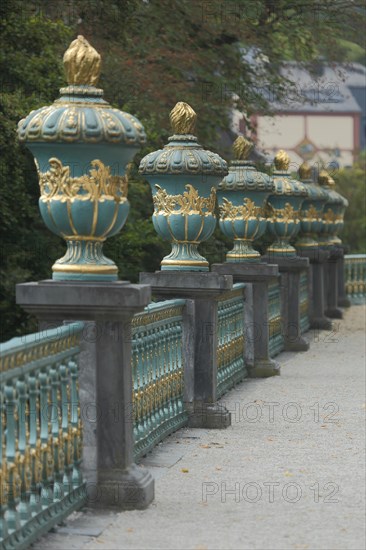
(351, 183)
(31, 73)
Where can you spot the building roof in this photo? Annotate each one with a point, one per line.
(325, 91)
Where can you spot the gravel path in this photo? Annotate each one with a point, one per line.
(288, 473)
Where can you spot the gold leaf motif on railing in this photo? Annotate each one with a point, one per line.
(98, 185)
(188, 203)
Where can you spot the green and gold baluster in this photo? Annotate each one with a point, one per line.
(149, 388)
(359, 280)
(24, 452)
(164, 377)
(170, 371)
(3, 471)
(46, 441)
(158, 375)
(76, 425)
(175, 373)
(66, 435)
(58, 457)
(34, 443)
(153, 390)
(155, 393)
(135, 389)
(144, 380)
(13, 479)
(181, 369)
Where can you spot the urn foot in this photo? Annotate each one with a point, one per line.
(84, 260)
(281, 248)
(185, 257)
(243, 251)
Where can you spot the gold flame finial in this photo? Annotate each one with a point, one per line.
(82, 63)
(183, 118)
(331, 182)
(282, 160)
(305, 171)
(325, 179)
(242, 148)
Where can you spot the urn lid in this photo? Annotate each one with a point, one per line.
(183, 154)
(328, 184)
(283, 183)
(242, 172)
(314, 191)
(81, 114)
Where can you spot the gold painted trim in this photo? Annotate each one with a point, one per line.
(69, 217)
(233, 255)
(82, 268)
(84, 238)
(183, 262)
(270, 249)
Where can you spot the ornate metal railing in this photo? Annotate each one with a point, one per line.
(158, 378)
(276, 340)
(40, 434)
(304, 302)
(355, 277)
(230, 361)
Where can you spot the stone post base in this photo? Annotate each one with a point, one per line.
(209, 416)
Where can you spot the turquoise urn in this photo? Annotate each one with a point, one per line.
(311, 214)
(183, 178)
(81, 147)
(242, 197)
(283, 207)
(333, 213)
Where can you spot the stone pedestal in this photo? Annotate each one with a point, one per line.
(331, 283)
(290, 268)
(200, 340)
(317, 300)
(343, 301)
(115, 480)
(256, 276)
